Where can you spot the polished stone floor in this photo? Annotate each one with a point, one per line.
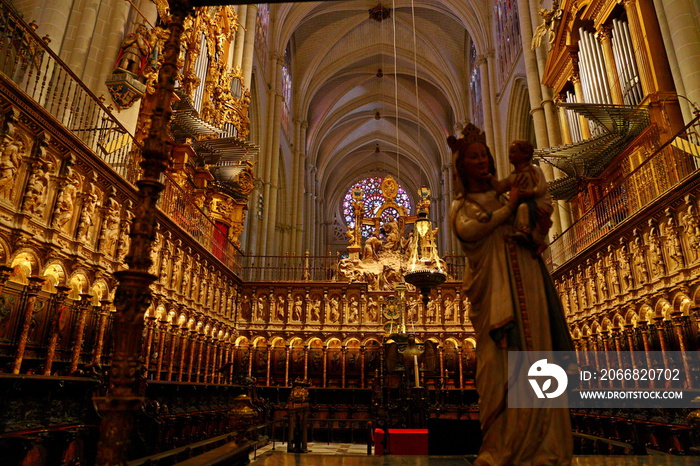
(346, 454)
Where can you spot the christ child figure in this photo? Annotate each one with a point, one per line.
(533, 217)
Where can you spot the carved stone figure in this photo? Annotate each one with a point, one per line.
(431, 314)
(563, 296)
(246, 308)
(656, 257)
(272, 307)
(11, 153)
(602, 278)
(582, 296)
(673, 240)
(372, 309)
(691, 219)
(392, 239)
(412, 314)
(624, 265)
(175, 275)
(334, 313)
(297, 308)
(280, 307)
(135, 51)
(260, 308)
(350, 233)
(35, 195)
(547, 27)
(65, 204)
(573, 293)
(466, 308)
(354, 310)
(449, 307)
(110, 228)
(372, 246)
(86, 217)
(591, 283)
(640, 265)
(612, 272)
(316, 310)
(124, 239)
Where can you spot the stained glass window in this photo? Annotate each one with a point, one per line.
(508, 42)
(287, 90)
(477, 109)
(374, 200)
(262, 25)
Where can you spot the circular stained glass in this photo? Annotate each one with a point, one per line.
(374, 200)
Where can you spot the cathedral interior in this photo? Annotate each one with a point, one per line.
(215, 218)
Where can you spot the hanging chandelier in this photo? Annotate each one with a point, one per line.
(424, 269)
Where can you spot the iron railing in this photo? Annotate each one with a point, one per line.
(176, 203)
(636, 188)
(27, 61)
(313, 268)
(289, 268)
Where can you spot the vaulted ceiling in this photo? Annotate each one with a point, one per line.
(422, 50)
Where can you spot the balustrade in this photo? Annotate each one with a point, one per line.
(666, 168)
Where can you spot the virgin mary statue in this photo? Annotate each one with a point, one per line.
(514, 307)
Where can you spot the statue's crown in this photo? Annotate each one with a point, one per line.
(472, 133)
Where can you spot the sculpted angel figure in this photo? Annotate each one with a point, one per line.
(35, 195)
(546, 28)
(11, 153)
(65, 203)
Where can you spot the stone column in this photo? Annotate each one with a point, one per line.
(193, 347)
(184, 344)
(287, 353)
(533, 76)
(486, 100)
(203, 359)
(362, 366)
(629, 333)
(644, 329)
(79, 332)
(173, 332)
(343, 355)
(249, 45)
(59, 308)
(441, 352)
(684, 44)
(605, 338)
(148, 343)
(31, 291)
(267, 362)
(306, 362)
(660, 324)
(325, 367)
(216, 360)
(618, 349)
(162, 335)
(677, 319)
(237, 62)
(101, 326)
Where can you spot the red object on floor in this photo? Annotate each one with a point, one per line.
(401, 442)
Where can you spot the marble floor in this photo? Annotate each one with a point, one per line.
(346, 454)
